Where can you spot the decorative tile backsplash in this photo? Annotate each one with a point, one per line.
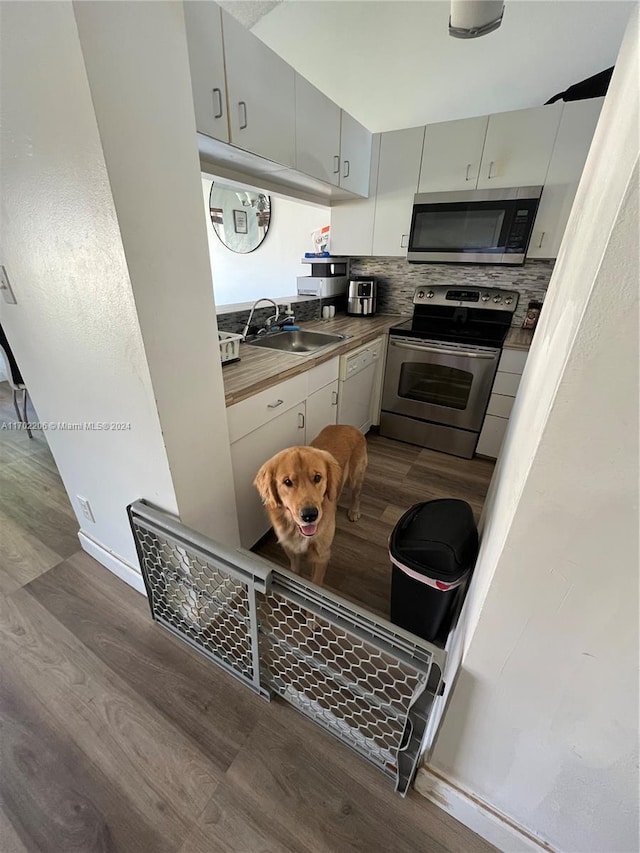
(304, 311)
(397, 279)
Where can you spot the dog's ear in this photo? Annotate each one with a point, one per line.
(334, 477)
(265, 484)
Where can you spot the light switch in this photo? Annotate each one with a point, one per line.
(5, 287)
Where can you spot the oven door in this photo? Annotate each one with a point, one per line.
(445, 383)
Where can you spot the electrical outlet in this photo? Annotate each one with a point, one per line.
(85, 508)
(5, 287)
(286, 308)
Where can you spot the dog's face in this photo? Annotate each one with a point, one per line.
(299, 480)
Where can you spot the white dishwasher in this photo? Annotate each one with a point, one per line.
(360, 379)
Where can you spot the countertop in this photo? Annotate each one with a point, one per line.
(261, 368)
(518, 338)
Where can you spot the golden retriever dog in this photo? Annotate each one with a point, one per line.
(300, 487)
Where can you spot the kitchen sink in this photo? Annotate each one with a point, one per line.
(298, 343)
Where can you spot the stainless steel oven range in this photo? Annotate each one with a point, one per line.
(441, 366)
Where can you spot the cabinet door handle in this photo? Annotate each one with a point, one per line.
(347, 167)
(275, 405)
(217, 95)
(300, 420)
(541, 239)
(466, 176)
(403, 245)
(242, 109)
(334, 398)
(336, 163)
(490, 168)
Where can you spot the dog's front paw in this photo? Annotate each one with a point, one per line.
(353, 514)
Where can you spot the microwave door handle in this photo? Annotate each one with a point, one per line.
(443, 351)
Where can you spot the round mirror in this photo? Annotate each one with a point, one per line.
(240, 217)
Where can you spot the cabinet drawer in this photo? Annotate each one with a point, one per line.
(247, 415)
(506, 383)
(322, 375)
(513, 360)
(500, 405)
(492, 435)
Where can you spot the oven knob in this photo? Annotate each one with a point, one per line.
(497, 298)
(485, 297)
(430, 294)
(508, 300)
(421, 294)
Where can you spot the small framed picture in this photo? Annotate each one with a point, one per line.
(240, 221)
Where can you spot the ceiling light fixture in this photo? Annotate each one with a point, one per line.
(471, 19)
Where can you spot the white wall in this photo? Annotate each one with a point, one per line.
(106, 250)
(74, 331)
(138, 70)
(271, 270)
(543, 723)
(394, 65)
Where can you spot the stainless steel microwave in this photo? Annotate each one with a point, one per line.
(473, 226)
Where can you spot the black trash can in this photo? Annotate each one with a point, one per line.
(433, 548)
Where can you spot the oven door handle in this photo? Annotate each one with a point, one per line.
(444, 351)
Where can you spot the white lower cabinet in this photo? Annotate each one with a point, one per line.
(248, 454)
(503, 395)
(284, 415)
(492, 436)
(322, 397)
(322, 409)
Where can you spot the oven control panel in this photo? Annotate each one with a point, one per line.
(468, 297)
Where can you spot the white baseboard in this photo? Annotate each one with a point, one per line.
(478, 816)
(110, 561)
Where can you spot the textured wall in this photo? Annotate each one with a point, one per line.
(397, 280)
(75, 329)
(141, 93)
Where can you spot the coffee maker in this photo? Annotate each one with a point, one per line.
(361, 296)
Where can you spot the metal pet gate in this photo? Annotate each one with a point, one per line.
(366, 681)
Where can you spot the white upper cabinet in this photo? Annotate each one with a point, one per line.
(451, 155)
(261, 94)
(518, 147)
(206, 59)
(489, 152)
(577, 126)
(352, 221)
(317, 133)
(355, 155)
(398, 174)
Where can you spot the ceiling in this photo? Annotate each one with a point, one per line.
(392, 64)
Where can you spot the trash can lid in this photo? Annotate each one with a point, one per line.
(437, 538)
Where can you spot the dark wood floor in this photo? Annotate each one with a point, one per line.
(398, 476)
(116, 737)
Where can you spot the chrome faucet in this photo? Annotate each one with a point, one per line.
(268, 321)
